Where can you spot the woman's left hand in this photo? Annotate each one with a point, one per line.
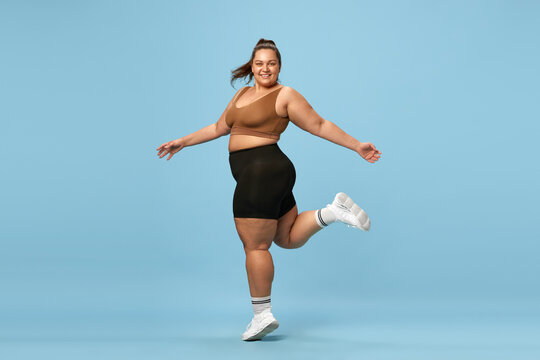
(368, 151)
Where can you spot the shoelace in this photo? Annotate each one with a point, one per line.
(349, 215)
(348, 211)
(256, 321)
(252, 323)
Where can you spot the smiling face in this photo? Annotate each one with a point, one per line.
(265, 67)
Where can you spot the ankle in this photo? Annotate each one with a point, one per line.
(261, 304)
(325, 217)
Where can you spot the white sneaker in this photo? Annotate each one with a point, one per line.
(349, 213)
(260, 326)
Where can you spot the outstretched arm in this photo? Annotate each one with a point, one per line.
(207, 133)
(302, 115)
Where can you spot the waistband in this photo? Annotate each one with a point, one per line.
(254, 148)
(238, 130)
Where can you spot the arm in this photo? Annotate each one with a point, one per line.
(210, 132)
(207, 133)
(302, 115)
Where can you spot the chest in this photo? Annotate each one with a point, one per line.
(259, 113)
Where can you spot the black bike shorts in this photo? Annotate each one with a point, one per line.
(265, 178)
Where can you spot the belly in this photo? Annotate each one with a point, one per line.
(239, 142)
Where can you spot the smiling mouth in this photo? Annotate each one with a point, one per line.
(265, 76)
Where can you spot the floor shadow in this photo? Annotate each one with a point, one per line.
(274, 338)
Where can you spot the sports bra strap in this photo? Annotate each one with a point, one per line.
(241, 93)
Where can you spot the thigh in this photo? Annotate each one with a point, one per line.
(284, 225)
(260, 191)
(256, 234)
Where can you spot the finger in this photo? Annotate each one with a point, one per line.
(164, 146)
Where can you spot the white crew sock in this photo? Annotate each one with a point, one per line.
(261, 304)
(324, 217)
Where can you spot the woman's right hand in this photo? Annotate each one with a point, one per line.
(171, 147)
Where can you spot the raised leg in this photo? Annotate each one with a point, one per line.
(294, 230)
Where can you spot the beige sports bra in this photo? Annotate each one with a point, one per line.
(258, 118)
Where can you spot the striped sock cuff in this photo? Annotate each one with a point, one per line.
(261, 304)
(319, 219)
(260, 300)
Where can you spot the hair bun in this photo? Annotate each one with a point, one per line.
(267, 41)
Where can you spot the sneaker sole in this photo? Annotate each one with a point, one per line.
(343, 201)
(267, 330)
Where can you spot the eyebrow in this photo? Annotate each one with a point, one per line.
(263, 61)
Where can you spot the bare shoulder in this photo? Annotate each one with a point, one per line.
(289, 91)
(290, 95)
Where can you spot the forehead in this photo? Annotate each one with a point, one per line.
(265, 55)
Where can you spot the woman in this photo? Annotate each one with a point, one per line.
(264, 207)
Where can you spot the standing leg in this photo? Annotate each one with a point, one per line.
(257, 236)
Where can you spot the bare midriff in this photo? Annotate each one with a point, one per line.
(239, 142)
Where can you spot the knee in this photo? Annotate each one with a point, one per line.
(256, 247)
(283, 241)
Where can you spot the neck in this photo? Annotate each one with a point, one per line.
(258, 87)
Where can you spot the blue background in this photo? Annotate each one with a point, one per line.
(109, 252)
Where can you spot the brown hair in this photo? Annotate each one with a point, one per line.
(245, 70)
